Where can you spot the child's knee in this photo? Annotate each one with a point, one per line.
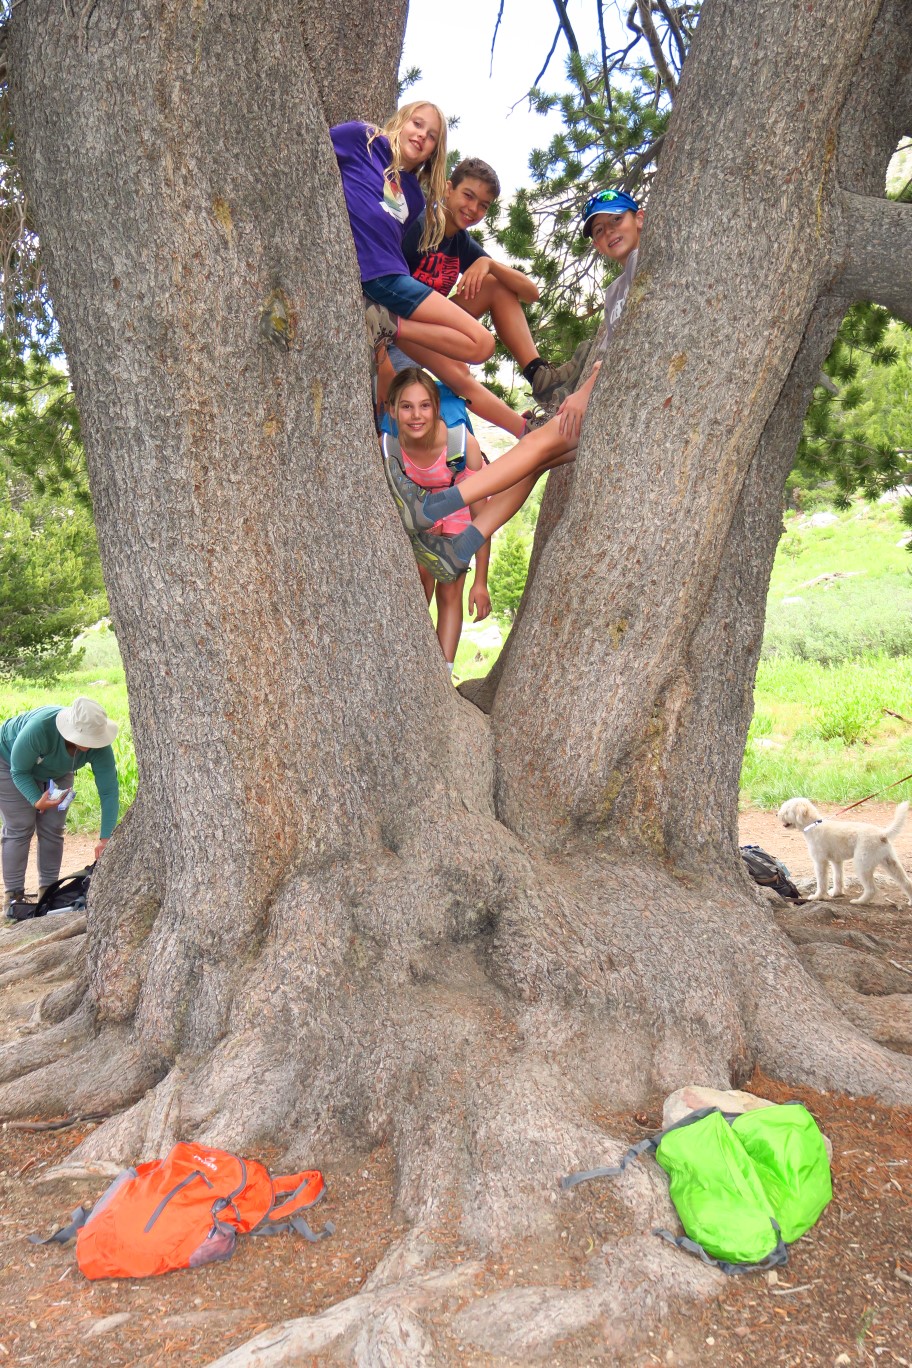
(486, 347)
(450, 594)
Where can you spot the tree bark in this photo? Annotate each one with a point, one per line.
(353, 51)
(878, 251)
(347, 907)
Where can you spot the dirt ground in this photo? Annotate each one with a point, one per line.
(845, 1297)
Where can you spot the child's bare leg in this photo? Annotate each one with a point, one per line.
(428, 583)
(536, 452)
(507, 315)
(441, 326)
(385, 375)
(449, 617)
(462, 382)
(502, 507)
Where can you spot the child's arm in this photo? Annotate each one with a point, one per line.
(572, 410)
(515, 281)
(479, 598)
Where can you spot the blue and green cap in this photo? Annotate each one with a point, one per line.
(607, 202)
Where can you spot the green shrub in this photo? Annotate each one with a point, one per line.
(848, 719)
(50, 585)
(508, 571)
(841, 622)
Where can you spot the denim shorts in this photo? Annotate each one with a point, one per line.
(401, 294)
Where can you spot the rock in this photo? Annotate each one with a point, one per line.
(107, 1323)
(692, 1098)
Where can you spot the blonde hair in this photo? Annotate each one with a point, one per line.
(414, 375)
(431, 174)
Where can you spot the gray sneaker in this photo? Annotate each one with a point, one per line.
(548, 378)
(381, 326)
(407, 496)
(437, 555)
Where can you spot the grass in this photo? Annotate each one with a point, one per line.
(841, 591)
(836, 661)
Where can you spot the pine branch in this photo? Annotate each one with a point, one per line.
(648, 28)
(548, 58)
(494, 35)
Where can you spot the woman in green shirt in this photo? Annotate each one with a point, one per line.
(38, 746)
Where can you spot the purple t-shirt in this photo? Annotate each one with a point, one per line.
(379, 211)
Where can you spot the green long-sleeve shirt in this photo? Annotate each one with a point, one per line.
(35, 751)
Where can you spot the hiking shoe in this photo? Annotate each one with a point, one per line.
(534, 418)
(548, 378)
(407, 496)
(19, 906)
(436, 554)
(381, 326)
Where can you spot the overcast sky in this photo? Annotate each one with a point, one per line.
(451, 43)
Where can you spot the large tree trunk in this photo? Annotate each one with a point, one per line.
(344, 895)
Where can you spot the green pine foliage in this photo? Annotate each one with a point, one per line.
(857, 435)
(614, 115)
(50, 585)
(508, 570)
(39, 425)
(50, 574)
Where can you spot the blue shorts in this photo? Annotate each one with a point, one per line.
(401, 294)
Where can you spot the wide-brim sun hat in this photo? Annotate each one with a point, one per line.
(86, 724)
(606, 202)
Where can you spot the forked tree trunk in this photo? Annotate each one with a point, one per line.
(344, 894)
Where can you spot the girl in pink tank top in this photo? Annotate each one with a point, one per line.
(414, 402)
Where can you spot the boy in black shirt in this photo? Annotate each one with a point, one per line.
(484, 286)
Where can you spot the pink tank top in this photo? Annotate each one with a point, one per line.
(438, 476)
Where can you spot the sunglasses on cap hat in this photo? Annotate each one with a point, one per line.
(607, 202)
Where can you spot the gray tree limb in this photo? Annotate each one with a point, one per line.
(877, 251)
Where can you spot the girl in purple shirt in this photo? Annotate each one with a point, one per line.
(383, 171)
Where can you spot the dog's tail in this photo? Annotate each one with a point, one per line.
(896, 825)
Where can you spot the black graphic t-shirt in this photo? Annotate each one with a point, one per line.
(441, 268)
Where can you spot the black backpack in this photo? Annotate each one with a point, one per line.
(769, 872)
(66, 895)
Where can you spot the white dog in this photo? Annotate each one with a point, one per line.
(832, 843)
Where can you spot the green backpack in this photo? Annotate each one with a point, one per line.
(744, 1186)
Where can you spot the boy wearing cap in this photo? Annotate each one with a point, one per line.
(614, 222)
(37, 747)
(484, 286)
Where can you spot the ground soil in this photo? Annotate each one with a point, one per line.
(844, 1298)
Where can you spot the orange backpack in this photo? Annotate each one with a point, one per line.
(185, 1211)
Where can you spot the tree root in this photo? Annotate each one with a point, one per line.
(419, 1317)
(887, 1019)
(59, 1003)
(42, 962)
(95, 1076)
(26, 1054)
(147, 1130)
(865, 973)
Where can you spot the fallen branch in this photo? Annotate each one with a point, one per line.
(63, 1124)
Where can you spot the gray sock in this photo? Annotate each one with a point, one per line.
(468, 542)
(442, 502)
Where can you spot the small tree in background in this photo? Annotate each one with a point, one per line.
(509, 567)
(50, 585)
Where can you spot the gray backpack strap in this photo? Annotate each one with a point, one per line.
(66, 1233)
(456, 441)
(642, 1147)
(391, 447)
(775, 1259)
(298, 1224)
